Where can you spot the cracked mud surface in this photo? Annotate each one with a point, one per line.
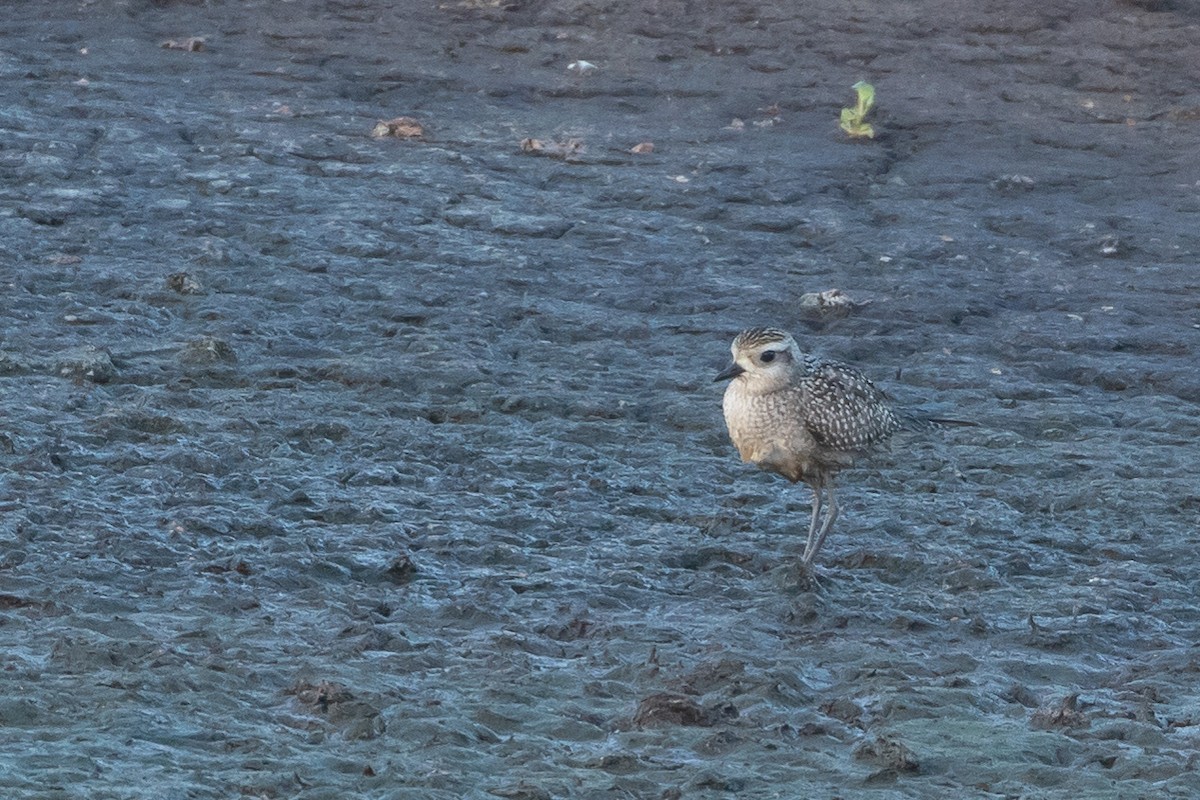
(348, 466)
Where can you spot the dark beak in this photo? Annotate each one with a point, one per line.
(732, 371)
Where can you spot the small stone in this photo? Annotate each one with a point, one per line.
(87, 363)
(1064, 715)
(209, 350)
(521, 791)
(11, 364)
(1013, 184)
(184, 283)
(665, 708)
(566, 149)
(402, 569)
(192, 44)
(400, 128)
(888, 754)
(829, 304)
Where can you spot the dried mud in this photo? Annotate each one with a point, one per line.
(348, 466)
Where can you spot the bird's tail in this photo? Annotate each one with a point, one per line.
(914, 421)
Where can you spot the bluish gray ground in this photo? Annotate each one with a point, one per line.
(419, 488)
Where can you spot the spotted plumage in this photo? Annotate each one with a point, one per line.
(803, 417)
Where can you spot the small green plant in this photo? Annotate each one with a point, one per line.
(854, 119)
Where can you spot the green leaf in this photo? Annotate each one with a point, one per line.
(866, 97)
(853, 119)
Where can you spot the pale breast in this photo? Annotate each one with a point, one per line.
(769, 430)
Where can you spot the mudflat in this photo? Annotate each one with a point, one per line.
(342, 465)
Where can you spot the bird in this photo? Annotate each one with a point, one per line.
(805, 418)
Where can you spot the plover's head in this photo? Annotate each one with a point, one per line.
(762, 353)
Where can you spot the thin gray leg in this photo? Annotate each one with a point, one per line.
(830, 516)
(812, 523)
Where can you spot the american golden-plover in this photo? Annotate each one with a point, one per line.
(804, 417)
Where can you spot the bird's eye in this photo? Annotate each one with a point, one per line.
(768, 357)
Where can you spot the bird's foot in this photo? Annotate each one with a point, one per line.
(803, 575)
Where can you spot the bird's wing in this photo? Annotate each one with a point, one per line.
(844, 410)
